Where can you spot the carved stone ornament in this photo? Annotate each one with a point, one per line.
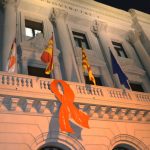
(58, 14)
(133, 36)
(98, 27)
(94, 27)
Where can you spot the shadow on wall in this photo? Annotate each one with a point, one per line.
(54, 127)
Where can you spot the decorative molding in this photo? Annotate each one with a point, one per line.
(1, 101)
(28, 105)
(128, 139)
(51, 107)
(133, 36)
(58, 14)
(112, 112)
(14, 103)
(101, 112)
(57, 138)
(89, 10)
(122, 113)
(139, 16)
(98, 26)
(103, 102)
(140, 115)
(131, 114)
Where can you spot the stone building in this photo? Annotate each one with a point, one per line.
(119, 119)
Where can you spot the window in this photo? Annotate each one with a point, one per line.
(97, 79)
(39, 72)
(120, 148)
(136, 87)
(51, 148)
(80, 40)
(32, 28)
(119, 49)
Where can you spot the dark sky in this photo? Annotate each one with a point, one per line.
(142, 5)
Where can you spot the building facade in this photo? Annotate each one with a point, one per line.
(29, 111)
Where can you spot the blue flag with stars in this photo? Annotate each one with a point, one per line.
(117, 70)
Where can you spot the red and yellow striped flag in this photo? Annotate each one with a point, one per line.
(12, 57)
(87, 67)
(47, 56)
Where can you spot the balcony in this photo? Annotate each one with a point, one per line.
(27, 94)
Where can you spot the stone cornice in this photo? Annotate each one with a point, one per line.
(90, 8)
(25, 106)
(99, 102)
(140, 16)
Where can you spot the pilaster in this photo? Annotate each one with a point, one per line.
(58, 18)
(57, 72)
(100, 31)
(9, 32)
(134, 39)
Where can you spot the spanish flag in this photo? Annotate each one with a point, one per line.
(87, 67)
(12, 57)
(47, 56)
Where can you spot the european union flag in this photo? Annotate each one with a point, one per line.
(117, 69)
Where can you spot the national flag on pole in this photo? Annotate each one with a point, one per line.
(117, 70)
(12, 59)
(87, 67)
(47, 56)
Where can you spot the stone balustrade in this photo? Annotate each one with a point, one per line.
(28, 94)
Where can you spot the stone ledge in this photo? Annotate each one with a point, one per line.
(42, 107)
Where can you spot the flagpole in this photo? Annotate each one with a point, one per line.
(16, 41)
(51, 75)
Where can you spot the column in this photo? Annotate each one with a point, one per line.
(141, 52)
(57, 72)
(58, 18)
(9, 32)
(100, 31)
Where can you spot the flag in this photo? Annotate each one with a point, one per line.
(47, 56)
(87, 67)
(117, 70)
(12, 59)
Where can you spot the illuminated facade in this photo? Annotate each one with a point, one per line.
(119, 119)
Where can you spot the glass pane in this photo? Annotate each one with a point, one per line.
(39, 72)
(77, 42)
(36, 32)
(119, 48)
(84, 45)
(28, 32)
(136, 87)
(80, 39)
(122, 54)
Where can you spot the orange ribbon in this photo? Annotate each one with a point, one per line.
(68, 109)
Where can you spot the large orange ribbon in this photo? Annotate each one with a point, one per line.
(68, 109)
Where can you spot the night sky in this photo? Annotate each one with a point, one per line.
(142, 5)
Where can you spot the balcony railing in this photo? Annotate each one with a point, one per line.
(18, 85)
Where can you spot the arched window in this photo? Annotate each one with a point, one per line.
(51, 148)
(123, 147)
(120, 148)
